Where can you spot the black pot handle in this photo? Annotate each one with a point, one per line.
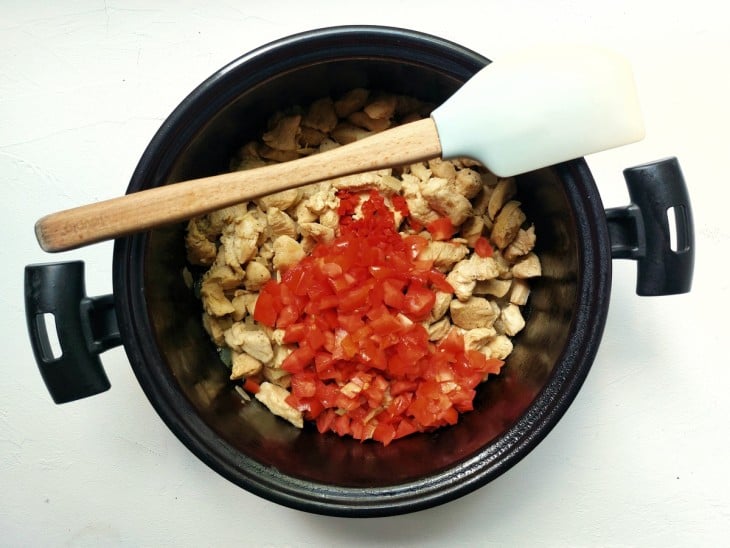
(642, 230)
(85, 326)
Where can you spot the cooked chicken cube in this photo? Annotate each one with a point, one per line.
(521, 245)
(243, 365)
(439, 329)
(283, 136)
(253, 342)
(283, 200)
(503, 192)
(475, 339)
(215, 303)
(440, 306)
(498, 347)
(256, 276)
(321, 115)
(287, 252)
(463, 277)
(495, 287)
(443, 254)
(510, 320)
(445, 201)
(274, 398)
(346, 133)
(418, 207)
(520, 292)
(473, 313)
(319, 233)
(361, 119)
(280, 223)
(442, 168)
(381, 107)
(216, 327)
(351, 101)
(507, 224)
(529, 267)
(468, 183)
(421, 171)
(200, 250)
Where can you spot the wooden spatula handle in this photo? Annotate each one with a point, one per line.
(146, 209)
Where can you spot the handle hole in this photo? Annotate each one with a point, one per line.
(678, 237)
(46, 325)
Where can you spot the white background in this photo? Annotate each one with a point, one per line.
(641, 457)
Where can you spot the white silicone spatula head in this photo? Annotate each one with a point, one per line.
(540, 107)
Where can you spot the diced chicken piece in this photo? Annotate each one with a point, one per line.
(523, 243)
(321, 115)
(440, 306)
(445, 201)
(443, 254)
(309, 140)
(247, 158)
(507, 224)
(283, 200)
(480, 203)
(503, 267)
(439, 329)
(498, 347)
(468, 182)
(279, 377)
(287, 252)
(225, 276)
(361, 119)
(381, 107)
(200, 250)
(280, 223)
(216, 327)
(328, 144)
(473, 313)
(215, 303)
(503, 192)
(510, 320)
(475, 339)
(417, 204)
(442, 168)
(243, 365)
(466, 273)
(351, 101)
(239, 240)
(303, 214)
(239, 301)
(253, 342)
(529, 267)
(330, 219)
(217, 220)
(281, 350)
(520, 292)
(346, 133)
(319, 233)
(322, 199)
(256, 276)
(472, 229)
(274, 398)
(276, 155)
(283, 136)
(422, 171)
(495, 287)
(380, 180)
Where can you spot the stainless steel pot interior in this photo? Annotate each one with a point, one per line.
(184, 379)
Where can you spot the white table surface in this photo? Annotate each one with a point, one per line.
(641, 457)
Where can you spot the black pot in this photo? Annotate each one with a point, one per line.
(158, 319)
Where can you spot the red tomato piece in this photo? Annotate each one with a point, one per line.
(483, 248)
(441, 229)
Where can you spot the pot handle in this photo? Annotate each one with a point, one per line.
(642, 231)
(85, 327)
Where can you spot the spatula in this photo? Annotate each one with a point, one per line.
(525, 111)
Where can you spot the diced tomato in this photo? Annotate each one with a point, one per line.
(441, 229)
(251, 386)
(362, 364)
(483, 248)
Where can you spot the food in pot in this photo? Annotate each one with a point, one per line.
(372, 304)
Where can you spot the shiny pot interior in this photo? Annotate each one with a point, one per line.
(178, 366)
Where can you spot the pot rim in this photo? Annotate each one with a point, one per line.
(593, 291)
